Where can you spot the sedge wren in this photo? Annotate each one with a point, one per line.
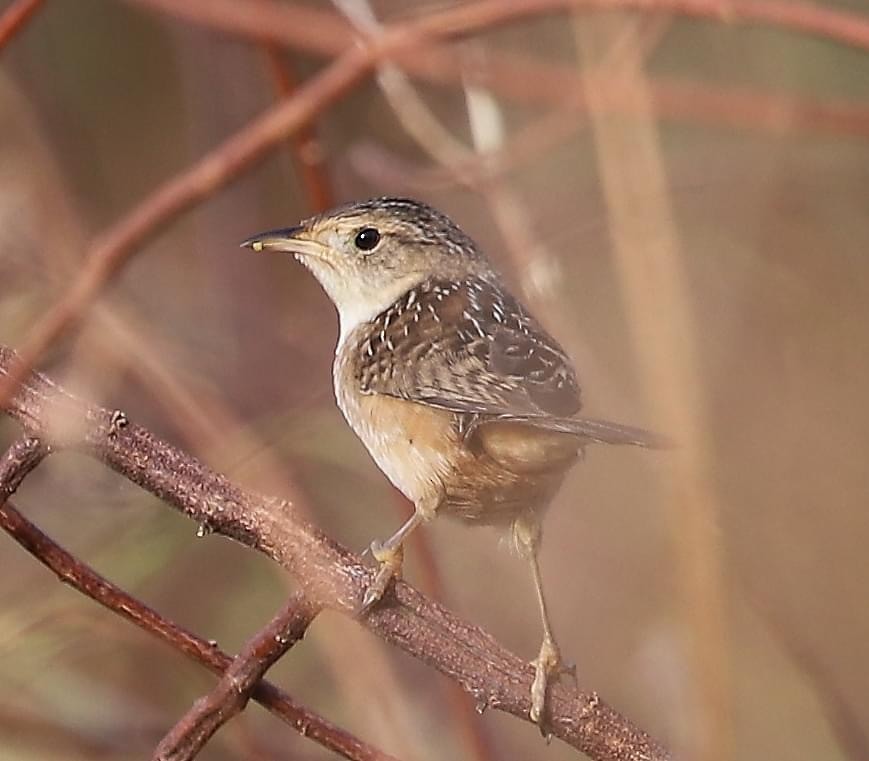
(463, 400)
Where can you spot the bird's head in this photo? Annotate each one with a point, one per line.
(366, 255)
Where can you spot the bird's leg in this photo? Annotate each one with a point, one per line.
(390, 553)
(548, 663)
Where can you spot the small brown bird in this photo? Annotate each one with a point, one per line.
(463, 400)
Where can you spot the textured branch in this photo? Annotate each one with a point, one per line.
(18, 462)
(81, 577)
(328, 574)
(231, 694)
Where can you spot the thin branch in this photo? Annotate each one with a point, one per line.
(328, 574)
(307, 148)
(81, 577)
(17, 462)
(13, 19)
(321, 32)
(812, 20)
(231, 694)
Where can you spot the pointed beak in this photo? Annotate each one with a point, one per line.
(291, 240)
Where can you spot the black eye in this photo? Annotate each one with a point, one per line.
(367, 239)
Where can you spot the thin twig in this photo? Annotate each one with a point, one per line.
(81, 577)
(13, 19)
(307, 147)
(17, 462)
(812, 20)
(328, 574)
(531, 80)
(230, 695)
(321, 32)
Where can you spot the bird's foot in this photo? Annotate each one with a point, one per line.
(389, 560)
(548, 667)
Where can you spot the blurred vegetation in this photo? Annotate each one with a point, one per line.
(101, 102)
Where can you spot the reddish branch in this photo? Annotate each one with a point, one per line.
(805, 18)
(308, 152)
(13, 19)
(322, 32)
(232, 692)
(19, 460)
(328, 574)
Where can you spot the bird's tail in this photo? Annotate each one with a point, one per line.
(600, 431)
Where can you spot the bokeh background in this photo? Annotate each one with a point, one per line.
(751, 185)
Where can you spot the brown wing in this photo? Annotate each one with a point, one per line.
(468, 347)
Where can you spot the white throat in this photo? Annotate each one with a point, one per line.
(362, 305)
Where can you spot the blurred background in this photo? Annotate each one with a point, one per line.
(685, 205)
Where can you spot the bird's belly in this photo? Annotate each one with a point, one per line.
(491, 479)
(411, 443)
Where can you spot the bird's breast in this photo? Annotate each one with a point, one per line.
(413, 444)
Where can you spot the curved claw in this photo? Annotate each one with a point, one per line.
(548, 667)
(390, 561)
(377, 587)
